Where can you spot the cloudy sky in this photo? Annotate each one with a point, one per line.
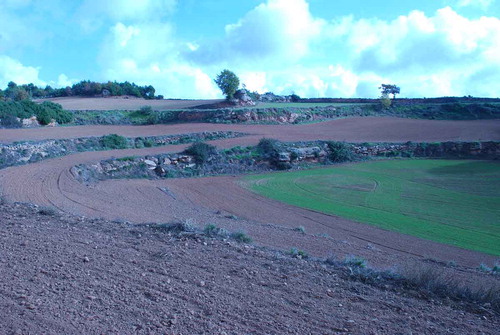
(314, 48)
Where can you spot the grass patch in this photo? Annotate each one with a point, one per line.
(447, 201)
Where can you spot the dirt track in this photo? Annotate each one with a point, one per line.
(51, 183)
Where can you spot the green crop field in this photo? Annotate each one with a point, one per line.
(448, 201)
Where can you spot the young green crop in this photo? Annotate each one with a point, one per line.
(448, 201)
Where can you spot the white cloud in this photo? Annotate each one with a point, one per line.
(12, 70)
(427, 55)
(93, 13)
(277, 29)
(64, 81)
(148, 53)
(280, 46)
(484, 4)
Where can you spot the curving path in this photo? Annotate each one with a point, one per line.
(207, 200)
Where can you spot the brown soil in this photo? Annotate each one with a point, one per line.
(69, 275)
(52, 183)
(358, 129)
(125, 103)
(153, 285)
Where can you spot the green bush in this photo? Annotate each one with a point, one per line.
(339, 152)
(268, 148)
(10, 121)
(44, 112)
(145, 110)
(114, 141)
(201, 152)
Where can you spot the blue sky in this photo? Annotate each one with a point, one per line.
(314, 48)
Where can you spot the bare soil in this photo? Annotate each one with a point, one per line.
(67, 275)
(51, 182)
(356, 129)
(125, 103)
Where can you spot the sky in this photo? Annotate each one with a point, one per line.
(313, 48)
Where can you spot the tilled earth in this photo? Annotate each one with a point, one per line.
(74, 274)
(61, 274)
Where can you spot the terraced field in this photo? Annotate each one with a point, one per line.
(452, 202)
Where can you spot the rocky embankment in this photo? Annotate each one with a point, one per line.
(291, 115)
(29, 152)
(281, 156)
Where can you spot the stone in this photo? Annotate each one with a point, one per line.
(151, 165)
(284, 156)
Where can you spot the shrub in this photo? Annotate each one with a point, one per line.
(145, 110)
(241, 237)
(49, 211)
(45, 112)
(175, 227)
(385, 101)
(56, 112)
(212, 230)
(294, 98)
(114, 141)
(432, 280)
(300, 229)
(339, 152)
(201, 152)
(298, 253)
(268, 148)
(11, 121)
(355, 261)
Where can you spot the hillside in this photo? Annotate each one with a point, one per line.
(65, 274)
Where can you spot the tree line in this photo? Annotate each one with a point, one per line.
(85, 88)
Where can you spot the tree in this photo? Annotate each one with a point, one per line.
(390, 89)
(228, 82)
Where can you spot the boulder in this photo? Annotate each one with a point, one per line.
(31, 122)
(243, 99)
(151, 165)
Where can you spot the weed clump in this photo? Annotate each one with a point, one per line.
(201, 152)
(300, 229)
(175, 227)
(297, 253)
(213, 231)
(355, 261)
(241, 237)
(48, 211)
